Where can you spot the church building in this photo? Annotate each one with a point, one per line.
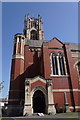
(45, 75)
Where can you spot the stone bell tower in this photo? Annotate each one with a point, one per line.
(38, 90)
(33, 28)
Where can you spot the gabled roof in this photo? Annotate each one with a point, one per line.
(47, 41)
(32, 80)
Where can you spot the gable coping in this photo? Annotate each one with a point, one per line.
(32, 80)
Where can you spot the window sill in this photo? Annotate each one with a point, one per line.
(59, 75)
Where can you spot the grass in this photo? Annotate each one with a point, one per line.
(69, 119)
(6, 118)
(70, 113)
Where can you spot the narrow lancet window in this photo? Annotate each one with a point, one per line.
(62, 65)
(58, 64)
(54, 64)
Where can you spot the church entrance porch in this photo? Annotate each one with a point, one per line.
(38, 96)
(38, 102)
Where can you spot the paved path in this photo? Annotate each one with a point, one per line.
(47, 117)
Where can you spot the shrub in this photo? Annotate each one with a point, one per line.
(60, 109)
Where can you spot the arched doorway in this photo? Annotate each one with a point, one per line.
(39, 102)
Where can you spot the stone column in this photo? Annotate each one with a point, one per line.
(66, 102)
(21, 46)
(17, 44)
(27, 105)
(51, 107)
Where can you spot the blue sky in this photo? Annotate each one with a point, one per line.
(60, 19)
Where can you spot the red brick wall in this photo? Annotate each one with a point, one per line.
(38, 83)
(70, 82)
(33, 63)
(17, 67)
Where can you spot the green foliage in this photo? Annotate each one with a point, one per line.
(6, 118)
(60, 109)
(70, 113)
(68, 119)
(1, 85)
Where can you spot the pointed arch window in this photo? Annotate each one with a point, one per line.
(33, 35)
(61, 64)
(33, 24)
(79, 68)
(58, 64)
(54, 64)
(79, 71)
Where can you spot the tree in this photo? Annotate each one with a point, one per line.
(1, 85)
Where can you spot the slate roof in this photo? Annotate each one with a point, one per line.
(38, 44)
(74, 46)
(34, 43)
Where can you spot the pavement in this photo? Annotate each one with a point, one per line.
(47, 117)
